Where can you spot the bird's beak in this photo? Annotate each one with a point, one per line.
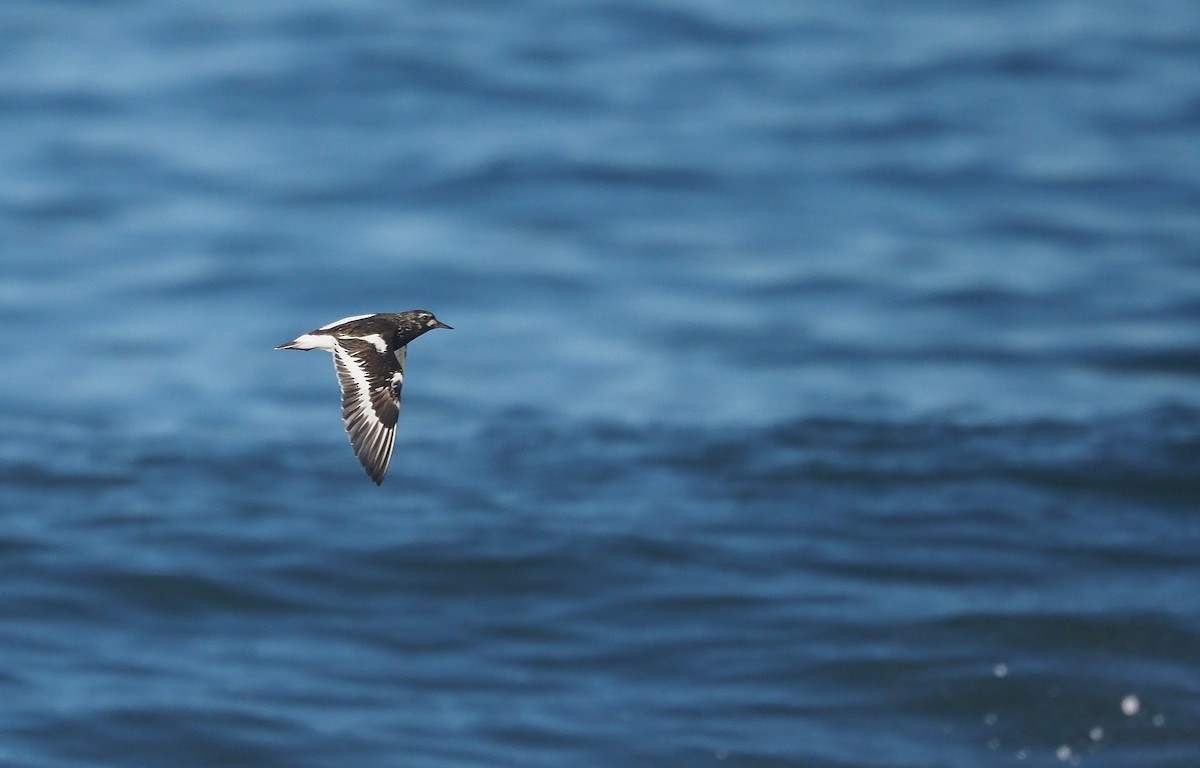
(440, 324)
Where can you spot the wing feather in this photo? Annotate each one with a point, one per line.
(370, 382)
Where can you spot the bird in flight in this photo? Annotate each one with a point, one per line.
(368, 355)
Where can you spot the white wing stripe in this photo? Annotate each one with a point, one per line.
(371, 437)
(360, 379)
(336, 323)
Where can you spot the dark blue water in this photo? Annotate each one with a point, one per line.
(825, 387)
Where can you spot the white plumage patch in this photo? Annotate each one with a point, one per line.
(336, 323)
(377, 341)
(311, 341)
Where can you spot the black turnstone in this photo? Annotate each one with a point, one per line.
(368, 355)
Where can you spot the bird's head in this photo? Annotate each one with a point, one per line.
(413, 323)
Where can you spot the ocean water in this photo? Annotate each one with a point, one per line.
(824, 388)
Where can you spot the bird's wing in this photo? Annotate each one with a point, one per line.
(370, 383)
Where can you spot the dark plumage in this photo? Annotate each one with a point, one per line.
(368, 355)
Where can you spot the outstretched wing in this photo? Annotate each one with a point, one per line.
(370, 381)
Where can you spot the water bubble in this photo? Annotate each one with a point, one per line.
(1096, 734)
(1159, 719)
(1130, 705)
(1000, 670)
(1063, 753)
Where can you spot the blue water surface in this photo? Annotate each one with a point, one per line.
(824, 387)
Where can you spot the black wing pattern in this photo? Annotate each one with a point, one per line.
(370, 382)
